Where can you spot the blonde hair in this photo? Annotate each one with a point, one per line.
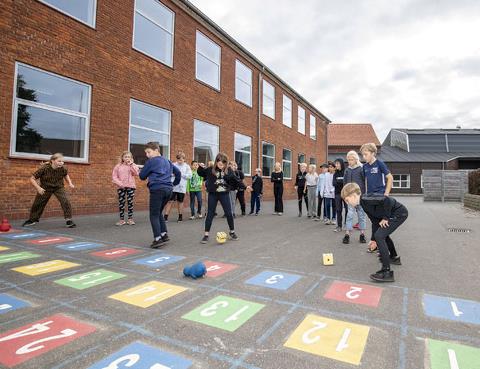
(303, 165)
(350, 189)
(312, 166)
(369, 147)
(279, 166)
(53, 157)
(354, 154)
(126, 152)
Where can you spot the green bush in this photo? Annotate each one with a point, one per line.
(474, 182)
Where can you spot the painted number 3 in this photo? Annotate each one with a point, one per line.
(309, 339)
(274, 279)
(130, 360)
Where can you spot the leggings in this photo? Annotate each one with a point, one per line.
(213, 199)
(125, 195)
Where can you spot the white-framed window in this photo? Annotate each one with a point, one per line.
(148, 123)
(51, 113)
(313, 127)
(83, 11)
(153, 30)
(313, 161)
(268, 158)
(301, 158)
(205, 141)
(243, 153)
(301, 120)
(421, 181)
(243, 83)
(287, 163)
(401, 181)
(208, 61)
(287, 111)
(268, 92)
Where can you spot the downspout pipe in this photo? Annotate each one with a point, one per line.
(259, 117)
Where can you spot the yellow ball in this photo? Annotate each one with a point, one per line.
(221, 237)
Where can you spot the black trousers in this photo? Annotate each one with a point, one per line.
(278, 194)
(385, 244)
(241, 200)
(300, 195)
(224, 199)
(339, 206)
(319, 206)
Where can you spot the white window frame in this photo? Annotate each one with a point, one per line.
(268, 156)
(219, 64)
(287, 161)
(299, 109)
(250, 84)
(158, 25)
(268, 98)
(16, 101)
(421, 181)
(400, 181)
(313, 120)
(205, 142)
(150, 129)
(243, 151)
(299, 162)
(284, 107)
(93, 25)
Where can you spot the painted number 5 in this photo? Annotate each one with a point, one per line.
(274, 279)
(354, 293)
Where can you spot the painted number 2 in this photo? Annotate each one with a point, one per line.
(130, 360)
(212, 310)
(354, 292)
(309, 339)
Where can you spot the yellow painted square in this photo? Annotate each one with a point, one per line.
(45, 267)
(3, 248)
(148, 294)
(330, 338)
(327, 259)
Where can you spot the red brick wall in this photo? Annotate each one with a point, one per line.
(35, 34)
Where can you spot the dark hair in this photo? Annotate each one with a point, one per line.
(324, 165)
(180, 155)
(220, 157)
(193, 162)
(331, 164)
(342, 163)
(153, 146)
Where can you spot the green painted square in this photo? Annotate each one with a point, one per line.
(15, 256)
(446, 355)
(86, 280)
(224, 312)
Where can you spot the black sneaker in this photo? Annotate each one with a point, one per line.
(156, 244)
(346, 239)
(165, 238)
(165, 217)
(28, 223)
(70, 224)
(233, 236)
(383, 276)
(180, 218)
(396, 260)
(363, 239)
(204, 239)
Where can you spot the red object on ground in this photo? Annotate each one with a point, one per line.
(356, 226)
(5, 226)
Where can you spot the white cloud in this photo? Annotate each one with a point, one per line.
(406, 63)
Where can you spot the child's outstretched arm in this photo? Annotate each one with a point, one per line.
(69, 181)
(35, 184)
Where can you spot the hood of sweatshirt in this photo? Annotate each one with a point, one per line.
(356, 166)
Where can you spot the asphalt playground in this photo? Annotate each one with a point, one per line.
(98, 297)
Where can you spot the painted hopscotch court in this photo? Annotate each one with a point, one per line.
(82, 301)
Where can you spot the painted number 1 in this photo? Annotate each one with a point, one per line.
(130, 360)
(310, 340)
(456, 312)
(212, 310)
(453, 359)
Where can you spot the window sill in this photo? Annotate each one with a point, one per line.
(46, 158)
(207, 85)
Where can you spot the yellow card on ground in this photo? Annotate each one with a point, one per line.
(147, 294)
(334, 339)
(2, 248)
(45, 267)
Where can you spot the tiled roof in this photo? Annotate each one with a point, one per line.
(351, 134)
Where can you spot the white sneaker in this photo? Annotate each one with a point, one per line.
(280, 213)
(192, 217)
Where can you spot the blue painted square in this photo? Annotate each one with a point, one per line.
(458, 310)
(79, 246)
(22, 236)
(141, 356)
(158, 260)
(276, 280)
(10, 303)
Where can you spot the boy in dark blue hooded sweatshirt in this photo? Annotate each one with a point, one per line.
(338, 184)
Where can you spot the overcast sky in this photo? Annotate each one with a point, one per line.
(402, 63)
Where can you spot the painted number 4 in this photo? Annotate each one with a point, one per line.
(130, 360)
(309, 339)
(212, 310)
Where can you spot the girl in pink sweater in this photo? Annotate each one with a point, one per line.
(123, 177)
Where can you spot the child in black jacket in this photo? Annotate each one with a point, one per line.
(219, 181)
(256, 192)
(340, 205)
(386, 215)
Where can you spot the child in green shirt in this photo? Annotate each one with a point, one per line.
(194, 187)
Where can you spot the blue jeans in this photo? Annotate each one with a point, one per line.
(196, 195)
(158, 200)
(328, 212)
(362, 218)
(254, 202)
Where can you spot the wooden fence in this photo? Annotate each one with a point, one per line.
(445, 185)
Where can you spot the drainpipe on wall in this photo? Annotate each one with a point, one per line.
(259, 116)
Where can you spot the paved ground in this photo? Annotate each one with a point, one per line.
(293, 313)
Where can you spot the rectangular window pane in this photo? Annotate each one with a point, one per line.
(287, 163)
(243, 161)
(243, 83)
(150, 117)
(139, 137)
(268, 149)
(208, 48)
(301, 120)
(205, 141)
(301, 158)
(83, 10)
(287, 111)
(205, 132)
(156, 12)
(313, 161)
(268, 100)
(46, 88)
(287, 155)
(313, 127)
(268, 159)
(208, 72)
(243, 150)
(152, 40)
(40, 131)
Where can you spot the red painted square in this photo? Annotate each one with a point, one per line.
(119, 252)
(354, 293)
(34, 339)
(49, 240)
(217, 269)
